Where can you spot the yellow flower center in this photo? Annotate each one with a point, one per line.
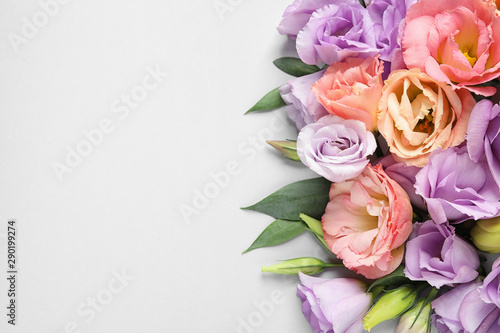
(471, 60)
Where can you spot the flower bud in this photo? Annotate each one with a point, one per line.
(287, 148)
(486, 235)
(306, 265)
(389, 306)
(415, 320)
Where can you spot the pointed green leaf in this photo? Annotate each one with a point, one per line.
(272, 100)
(278, 232)
(307, 196)
(295, 66)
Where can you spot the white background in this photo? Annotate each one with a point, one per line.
(119, 209)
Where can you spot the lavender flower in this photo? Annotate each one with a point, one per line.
(483, 135)
(456, 188)
(436, 255)
(301, 101)
(297, 14)
(337, 31)
(461, 310)
(388, 20)
(336, 148)
(490, 290)
(333, 305)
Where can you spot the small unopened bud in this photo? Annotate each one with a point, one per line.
(415, 320)
(287, 148)
(486, 235)
(306, 265)
(389, 306)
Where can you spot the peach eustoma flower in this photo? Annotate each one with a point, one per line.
(351, 89)
(454, 41)
(418, 114)
(367, 221)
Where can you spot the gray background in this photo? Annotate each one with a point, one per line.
(103, 245)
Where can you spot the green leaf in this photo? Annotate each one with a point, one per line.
(396, 278)
(272, 100)
(278, 232)
(309, 197)
(295, 66)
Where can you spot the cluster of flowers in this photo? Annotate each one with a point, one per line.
(400, 116)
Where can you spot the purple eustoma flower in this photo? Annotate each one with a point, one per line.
(437, 255)
(302, 105)
(388, 20)
(483, 135)
(461, 310)
(490, 290)
(297, 14)
(336, 148)
(337, 31)
(456, 188)
(333, 305)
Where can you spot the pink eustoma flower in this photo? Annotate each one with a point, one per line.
(367, 221)
(351, 89)
(454, 41)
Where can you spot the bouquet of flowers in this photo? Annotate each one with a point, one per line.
(396, 106)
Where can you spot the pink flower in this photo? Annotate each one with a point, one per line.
(454, 41)
(367, 221)
(351, 89)
(418, 115)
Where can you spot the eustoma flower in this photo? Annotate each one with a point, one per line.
(437, 255)
(333, 305)
(337, 31)
(335, 148)
(351, 89)
(388, 18)
(297, 14)
(418, 115)
(367, 221)
(490, 290)
(302, 106)
(462, 310)
(455, 188)
(483, 135)
(454, 41)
